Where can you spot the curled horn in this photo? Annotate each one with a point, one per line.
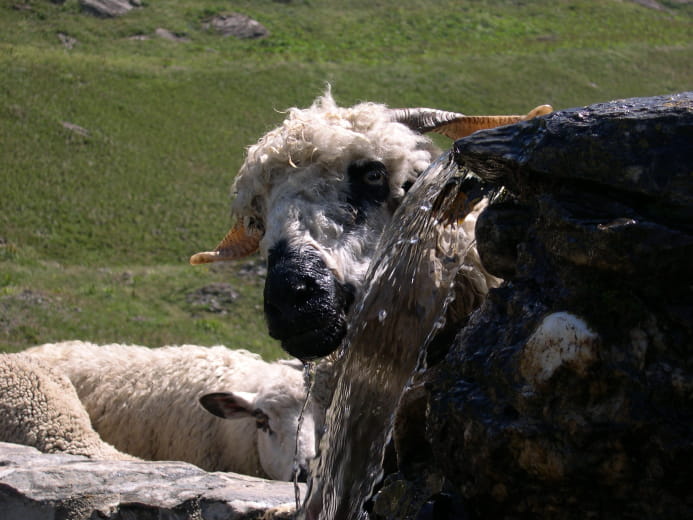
(237, 243)
(455, 125)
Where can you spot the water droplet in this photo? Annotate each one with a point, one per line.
(382, 315)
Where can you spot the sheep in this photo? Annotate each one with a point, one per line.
(39, 407)
(314, 195)
(144, 401)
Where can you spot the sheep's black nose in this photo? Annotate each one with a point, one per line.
(298, 289)
(304, 303)
(292, 286)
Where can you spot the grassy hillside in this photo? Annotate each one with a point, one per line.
(96, 225)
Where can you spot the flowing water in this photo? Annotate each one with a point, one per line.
(309, 375)
(408, 291)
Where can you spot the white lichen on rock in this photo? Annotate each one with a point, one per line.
(561, 340)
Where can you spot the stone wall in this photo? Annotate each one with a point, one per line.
(37, 486)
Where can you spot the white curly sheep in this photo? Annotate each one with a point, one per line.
(146, 402)
(314, 195)
(39, 407)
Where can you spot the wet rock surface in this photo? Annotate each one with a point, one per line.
(34, 485)
(569, 394)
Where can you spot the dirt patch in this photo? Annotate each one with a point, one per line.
(216, 297)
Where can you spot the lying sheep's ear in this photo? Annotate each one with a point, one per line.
(455, 125)
(236, 405)
(237, 243)
(229, 405)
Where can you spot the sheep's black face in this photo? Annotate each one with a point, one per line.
(305, 305)
(368, 186)
(322, 238)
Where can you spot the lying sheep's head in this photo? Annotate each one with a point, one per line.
(314, 195)
(283, 451)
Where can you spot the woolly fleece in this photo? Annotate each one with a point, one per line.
(39, 407)
(145, 402)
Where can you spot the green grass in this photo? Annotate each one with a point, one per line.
(168, 123)
(44, 301)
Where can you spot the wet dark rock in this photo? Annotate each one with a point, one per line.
(236, 24)
(619, 159)
(499, 230)
(402, 497)
(569, 394)
(34, 485)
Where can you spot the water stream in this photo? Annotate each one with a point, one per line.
(309, 375)
(408, 291)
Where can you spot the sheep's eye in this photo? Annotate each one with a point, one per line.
(368, 172)
(374, 177)
(368, 183)
(262, 421)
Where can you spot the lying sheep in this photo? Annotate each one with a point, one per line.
(145, 402)
(314, 195)
(39, 407)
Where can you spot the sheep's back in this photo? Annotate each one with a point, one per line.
(39, 407)
(145, 400)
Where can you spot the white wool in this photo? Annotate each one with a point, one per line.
(292, 185)
(472, 282)
(39, 407)
(145, 402)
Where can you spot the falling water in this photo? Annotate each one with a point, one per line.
(408, 289)
(309, 374)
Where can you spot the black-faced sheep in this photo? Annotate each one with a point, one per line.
(145, 402)
(39, 407)
(314, 195)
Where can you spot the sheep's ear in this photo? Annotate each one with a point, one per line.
(454, 125)
(237, 243)
(229, 405)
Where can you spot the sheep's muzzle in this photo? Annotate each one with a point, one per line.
(305, 305)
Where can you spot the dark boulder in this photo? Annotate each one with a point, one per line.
(569, 394)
